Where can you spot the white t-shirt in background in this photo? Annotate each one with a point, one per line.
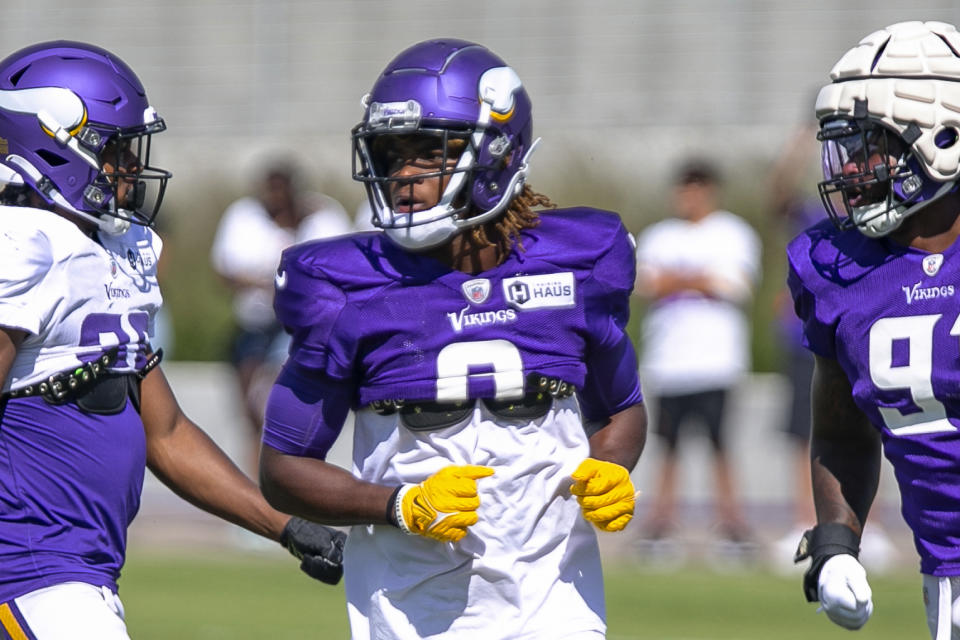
(248, 244)
(692, 342)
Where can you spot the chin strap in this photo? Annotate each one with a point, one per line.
(512, 191)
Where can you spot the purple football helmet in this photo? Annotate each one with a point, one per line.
(67, 109)
(453, 90)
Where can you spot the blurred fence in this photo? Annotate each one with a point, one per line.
(622, 90)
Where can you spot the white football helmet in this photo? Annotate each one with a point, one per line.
(890, 126)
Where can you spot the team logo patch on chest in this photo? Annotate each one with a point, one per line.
(932, 264)
(548, 291)
(476, 291)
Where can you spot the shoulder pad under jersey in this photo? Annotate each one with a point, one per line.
(591, 239)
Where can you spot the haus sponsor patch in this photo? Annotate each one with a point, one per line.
(548, 291)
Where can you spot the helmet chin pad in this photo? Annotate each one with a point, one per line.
(423, 237)
(876, 220)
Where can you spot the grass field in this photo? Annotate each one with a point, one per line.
(242, 597)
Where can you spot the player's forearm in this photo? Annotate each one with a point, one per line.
(319, 491)
(623, 438)
(845, 474)
(196, 469)
(844, 450)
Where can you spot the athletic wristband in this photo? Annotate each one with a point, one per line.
(820, 544)
(392, 507)
(395, 508)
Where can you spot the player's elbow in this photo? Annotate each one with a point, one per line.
(272, 479)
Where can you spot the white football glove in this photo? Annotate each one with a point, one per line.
(845, 595)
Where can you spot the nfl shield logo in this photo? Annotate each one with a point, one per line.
(931, 264)
(476, 291)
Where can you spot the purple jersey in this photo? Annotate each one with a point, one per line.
(387, 324)
(890, 316)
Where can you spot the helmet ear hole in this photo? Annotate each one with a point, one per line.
(946, 138)
(51, 158)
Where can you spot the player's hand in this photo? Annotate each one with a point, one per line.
(844, 593)
(605, 493)
(319, 549)
(442, 506)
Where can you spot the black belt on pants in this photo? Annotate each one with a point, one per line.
(427, 416)
(91, 386)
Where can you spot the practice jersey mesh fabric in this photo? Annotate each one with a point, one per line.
(890, 316)
(379, 323)
(70, 481)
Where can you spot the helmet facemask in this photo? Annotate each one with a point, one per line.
(457, 153)
(443, 155)
(872, 179)
(127, 187)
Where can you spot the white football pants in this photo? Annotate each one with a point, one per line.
(68, 611)
(941, 596)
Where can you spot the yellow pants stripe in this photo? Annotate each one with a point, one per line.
(10, 623)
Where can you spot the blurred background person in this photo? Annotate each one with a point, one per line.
(697, 271)
(252, 233)
(795, 206)
(363, 218)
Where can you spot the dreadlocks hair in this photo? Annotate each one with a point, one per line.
(504, 232)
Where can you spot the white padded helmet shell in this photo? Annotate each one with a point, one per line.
(909, 76)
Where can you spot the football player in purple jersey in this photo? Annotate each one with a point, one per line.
(875, 287)
(480, 340)
(84, 405)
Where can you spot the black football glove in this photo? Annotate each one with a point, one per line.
(319, 549)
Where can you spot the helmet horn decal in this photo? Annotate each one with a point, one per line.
(498, 89)
(62, 105)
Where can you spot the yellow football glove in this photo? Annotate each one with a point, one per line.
(605, 493)
(442, 506)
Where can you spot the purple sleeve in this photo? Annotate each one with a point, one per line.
(612, 383)
(309, 306)
(819, 328)
(305, 412)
